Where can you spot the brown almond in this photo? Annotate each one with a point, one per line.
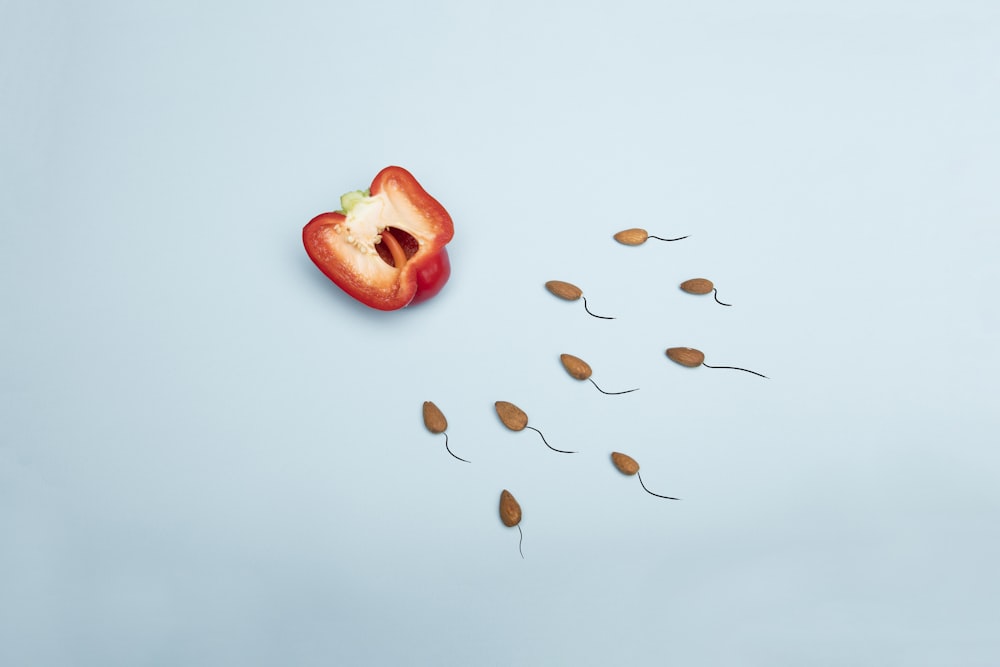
(564, 290)
(686, 356)
(434, 419)
(510, 510)
(625, 464)
(634, 236)
(512, 416)
(575, 366)
(698, 286)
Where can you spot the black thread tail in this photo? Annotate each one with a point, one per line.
(680, 238)
(715, 293)
(600, 317)
(734, 368)
(561, 451)
(611, 393)
(520, 540)
(651, 493)
(451, 452)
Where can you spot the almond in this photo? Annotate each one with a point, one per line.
(625, 464)
(697, 286)
(510, 510)
(634, 236)
(512, 416)
(575, 366)
(434, 419)
(686, 356)
(564, 290)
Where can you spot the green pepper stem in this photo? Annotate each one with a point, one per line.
(349, 200)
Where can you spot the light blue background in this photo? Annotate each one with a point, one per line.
(209, 455)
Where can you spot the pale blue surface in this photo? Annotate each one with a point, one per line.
(209, 455)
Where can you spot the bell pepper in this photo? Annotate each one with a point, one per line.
(385, 247)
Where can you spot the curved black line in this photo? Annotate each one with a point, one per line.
(600, 317)
(520, 540)
(651, 493)
(734, 368)
(561, 451)
(715, 293)
(451, 452)
(611, 393)
(680, 238)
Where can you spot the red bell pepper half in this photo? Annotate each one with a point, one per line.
(386, 246)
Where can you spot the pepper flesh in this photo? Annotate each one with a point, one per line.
(398, 214)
